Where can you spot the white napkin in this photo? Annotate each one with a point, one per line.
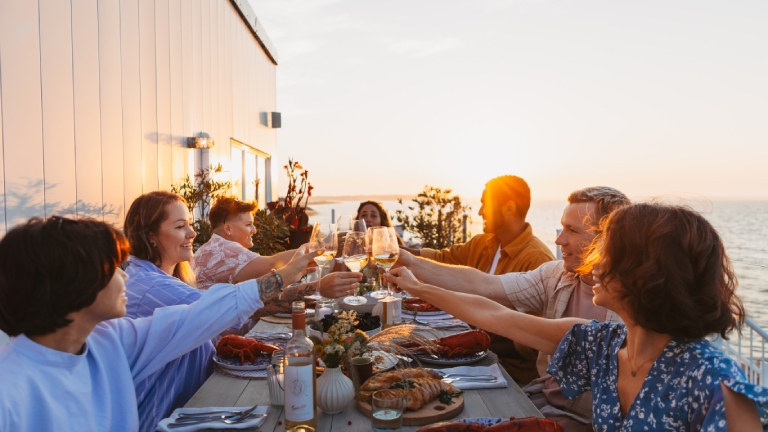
(251, 422)
(478, 370)
(421, 317)
(448, 323)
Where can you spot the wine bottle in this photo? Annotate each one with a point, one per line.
(299, 362)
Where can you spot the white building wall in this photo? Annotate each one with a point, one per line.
(98, 97)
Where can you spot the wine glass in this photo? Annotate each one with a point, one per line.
(385, 249)
(323, 237)
(355, 258)
(344, 225)
(378, 291)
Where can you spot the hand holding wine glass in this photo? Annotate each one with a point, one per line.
(355, 259)
(385, 249)
(323, 237)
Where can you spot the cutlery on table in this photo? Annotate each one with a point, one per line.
(462, 379)
(226, 420)
(212, 417)
(230, 413)
(454, 375)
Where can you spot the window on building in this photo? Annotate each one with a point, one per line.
(251, 179)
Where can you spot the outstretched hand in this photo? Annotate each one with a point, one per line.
(301, 264)
(401, 279)
(340, 284)
(405, 259)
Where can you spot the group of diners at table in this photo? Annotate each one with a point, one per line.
(612, 337)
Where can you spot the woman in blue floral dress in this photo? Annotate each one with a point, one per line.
(663, 269)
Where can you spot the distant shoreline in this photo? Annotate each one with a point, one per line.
(346, 198)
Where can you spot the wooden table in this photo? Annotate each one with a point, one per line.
(220, 390)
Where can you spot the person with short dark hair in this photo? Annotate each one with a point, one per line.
(664, 271)
(73, 361)
(226, 257)
(555, 289)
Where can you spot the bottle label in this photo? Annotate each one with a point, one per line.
(299, 397)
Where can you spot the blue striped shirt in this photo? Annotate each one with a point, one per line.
(171, 387)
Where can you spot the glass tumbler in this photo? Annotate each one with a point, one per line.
(387, 411)
(275, 379)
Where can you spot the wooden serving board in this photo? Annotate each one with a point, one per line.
(430, 413)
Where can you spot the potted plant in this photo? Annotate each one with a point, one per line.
(293, 208)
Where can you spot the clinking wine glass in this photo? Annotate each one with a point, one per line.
(344, 226)
(385, 249)
(379, 291)
(323, 237)
(355, 258)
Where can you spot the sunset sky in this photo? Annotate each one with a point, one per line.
(651, 97)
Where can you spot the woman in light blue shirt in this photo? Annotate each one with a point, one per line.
(158, 229)
(73, 362)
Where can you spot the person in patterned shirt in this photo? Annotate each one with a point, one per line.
(664, 270)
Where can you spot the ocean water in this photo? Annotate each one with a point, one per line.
(743, 225)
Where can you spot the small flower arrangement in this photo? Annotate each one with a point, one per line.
(343, 342)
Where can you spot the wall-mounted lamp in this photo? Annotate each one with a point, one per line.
(201, 141)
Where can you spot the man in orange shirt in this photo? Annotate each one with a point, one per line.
(506, 245)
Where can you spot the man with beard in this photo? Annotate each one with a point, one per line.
(553, 290)
(506, 245)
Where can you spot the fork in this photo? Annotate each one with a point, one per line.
(465, 379)
(448, 375)
(229, 413)
(227, 420)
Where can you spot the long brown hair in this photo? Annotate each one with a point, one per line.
(143, 219)
(671, 264)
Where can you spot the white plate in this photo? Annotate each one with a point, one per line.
(387, 361)
(310, 312)
(261, 363)
(456, 361)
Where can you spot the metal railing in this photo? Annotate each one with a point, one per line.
(749, 350)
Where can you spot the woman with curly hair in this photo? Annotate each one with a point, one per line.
(663, 269)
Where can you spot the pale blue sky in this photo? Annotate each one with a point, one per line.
(652, 97)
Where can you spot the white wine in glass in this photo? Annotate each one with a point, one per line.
(323, 237)
(355, 258)
(385, 250)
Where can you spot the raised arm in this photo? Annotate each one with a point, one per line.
(539, 333)
(455, 278)
(262, 265)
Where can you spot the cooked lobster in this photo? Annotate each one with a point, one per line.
(527, 424)
(417, 304)
(247, 349)
(468, 342)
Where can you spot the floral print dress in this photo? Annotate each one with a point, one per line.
(681, 392)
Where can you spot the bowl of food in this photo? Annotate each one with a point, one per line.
(369, 324)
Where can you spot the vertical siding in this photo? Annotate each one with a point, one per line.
(97, 98)
(163, 66)
(148, 86)
(178, 141)
(22, 111)
(85, 65)
(131, 88)
(2, 171)
(110, 93)
(58, 107)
